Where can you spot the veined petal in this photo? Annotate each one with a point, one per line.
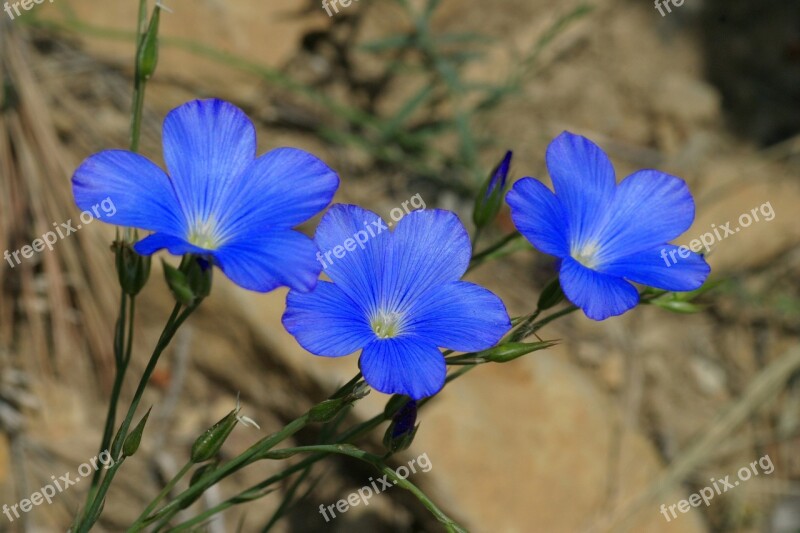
(403, 365)
(584, 181)
(326, 321)
(174, 245)
(140, 191)
(352, 242)
(662, 267)
(599, 295)
(649, 209)
(291, 186)
(264, 260)
(428, 248)
(207, 146)
(461, 316)
(539, 216)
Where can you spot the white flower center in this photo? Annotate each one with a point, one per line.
(386, 324)
(586, 255)
(204, 235)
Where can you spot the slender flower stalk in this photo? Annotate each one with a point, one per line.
(123, 338)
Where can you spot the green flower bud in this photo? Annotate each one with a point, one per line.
(325, 411)
(148, 51)
(512, 350)
(199, 277)
(133, 270)
(208, 445)
(134, 438)
(677, 306)
(178, 284)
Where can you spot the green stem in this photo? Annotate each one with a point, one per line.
(287, 501)
(136, 113)
(165, 491)
(173, 323)
(166, 513)
(175, 320)
(253, 453)
(119, 377)
(479, 258)
(123, 349)
(378, 463)
(321, 451)
(259, 489)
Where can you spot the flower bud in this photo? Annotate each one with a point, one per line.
(133, 270)
(490, 198)
(208, 445)
(134, 438)
(148, 51)
(178, 284)
(401, 432)
(199, 277)
(326, 410)
(512, 350)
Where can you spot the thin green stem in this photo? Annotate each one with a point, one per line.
(378, 463)
(120, 367)
(254, 453)
(92, 512)
(175, 320)
(165, 491)
(478, 258)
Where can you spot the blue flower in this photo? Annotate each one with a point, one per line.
(397, 296)
(605, 234)
(219, 200)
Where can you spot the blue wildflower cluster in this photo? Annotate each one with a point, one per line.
(400, 298)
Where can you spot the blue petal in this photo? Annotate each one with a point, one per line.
(584, 181)
(429, 248)
(282, 188)
(656, 268)
(140, 191)
(326, 321)
(175, 245)
(539, 216)
(403, 365)
(357, 270)
(599, 295)
(207, 146)
(461, 316)
(264, 260)
(649, 209)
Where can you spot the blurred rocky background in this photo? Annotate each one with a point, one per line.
(423, 97)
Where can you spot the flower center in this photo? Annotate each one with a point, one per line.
(386, 324)
(204, 235)
(586, 255)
